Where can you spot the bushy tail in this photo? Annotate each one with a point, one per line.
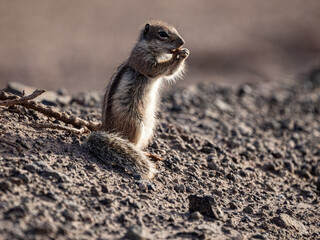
(109, 147)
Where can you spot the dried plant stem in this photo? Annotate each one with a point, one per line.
(11, 99)
(20, 100)
(56, 126)
(48, 111)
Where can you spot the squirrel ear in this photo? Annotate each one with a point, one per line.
(146, 29)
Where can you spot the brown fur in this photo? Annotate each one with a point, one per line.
(107, 146)
(131, 99)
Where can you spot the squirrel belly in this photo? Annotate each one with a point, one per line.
(112, 149)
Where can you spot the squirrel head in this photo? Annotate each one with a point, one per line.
(161, 36)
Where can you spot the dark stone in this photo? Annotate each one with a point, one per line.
(277, 221)
(213, 166)
(231, 177)
(5, 186)
(68, 215)
(271, 167)
(233, 206)
(211, 157)
(179, 188)
(205, 205)
(277, 155)
(258, 236)
(16, 213)
(248, 210)
(208, 148)
(94, 192)
(106, 202)
(122, 219)
(104, 189)
(143, 186)
(62, 231)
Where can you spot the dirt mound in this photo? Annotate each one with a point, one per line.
(240, 162)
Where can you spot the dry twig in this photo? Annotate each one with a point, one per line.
(60, 127)
(20, 100)
(48, 111)
(5, 96)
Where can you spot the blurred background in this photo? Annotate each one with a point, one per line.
(78, 44)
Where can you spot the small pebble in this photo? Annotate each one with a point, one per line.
(70, 216)
(5, 186)
(213, 166)
(233, 206)
(248, 210)
(180, 188)
(94, 192)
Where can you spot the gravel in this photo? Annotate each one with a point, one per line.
(239, 162)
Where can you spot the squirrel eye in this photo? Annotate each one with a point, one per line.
(163, 34)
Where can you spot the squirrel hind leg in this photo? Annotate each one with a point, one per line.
(110, 148)
(152, 171)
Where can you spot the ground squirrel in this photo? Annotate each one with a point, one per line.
(131, 99)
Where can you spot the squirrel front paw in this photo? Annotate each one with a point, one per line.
(184, 53)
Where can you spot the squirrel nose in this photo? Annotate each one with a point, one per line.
(181, 41)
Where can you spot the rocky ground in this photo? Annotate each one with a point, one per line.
(239, 162)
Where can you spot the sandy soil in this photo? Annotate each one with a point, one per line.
(239, 162)
(239, 137)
